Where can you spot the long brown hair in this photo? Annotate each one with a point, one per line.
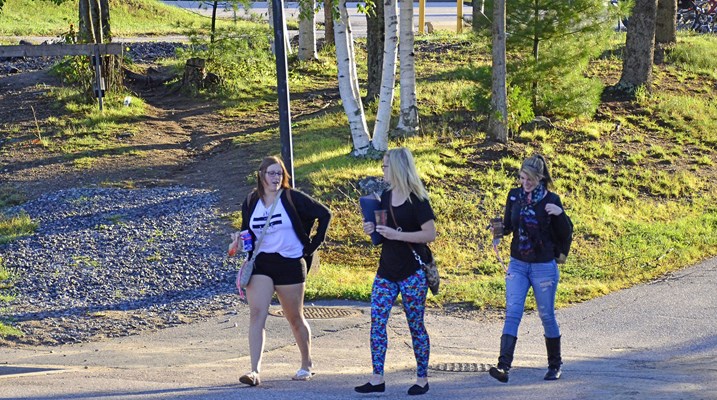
(265, 164)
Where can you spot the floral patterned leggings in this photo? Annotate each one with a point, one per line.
(413, 293)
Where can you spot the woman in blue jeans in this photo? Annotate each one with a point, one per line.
(535, 217)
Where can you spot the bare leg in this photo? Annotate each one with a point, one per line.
(292, 302)
(258, 293)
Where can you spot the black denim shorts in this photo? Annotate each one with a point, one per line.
(281, 270)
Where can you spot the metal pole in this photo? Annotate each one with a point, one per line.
(282, 86)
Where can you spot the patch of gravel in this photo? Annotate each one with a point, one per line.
(108, 262)
(140, 52)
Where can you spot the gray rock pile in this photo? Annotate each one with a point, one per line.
(112, 262)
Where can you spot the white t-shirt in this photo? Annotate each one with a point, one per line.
(280, 236)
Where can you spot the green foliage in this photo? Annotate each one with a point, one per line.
(553, 42)
(520, 109)
(240, 56)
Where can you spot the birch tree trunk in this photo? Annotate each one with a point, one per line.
(408, 119)
(348, 83)
(497, 122)
(639, 47)
(307, 31)
(388, 76)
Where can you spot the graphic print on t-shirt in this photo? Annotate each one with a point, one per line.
(258, 223)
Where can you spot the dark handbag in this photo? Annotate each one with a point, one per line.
(433, 279)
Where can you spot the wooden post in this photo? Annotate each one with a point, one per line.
(459, 16)
(421, 16)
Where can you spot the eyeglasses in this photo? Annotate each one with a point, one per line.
(274, 173)
(384, 166)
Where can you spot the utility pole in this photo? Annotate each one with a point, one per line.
(282, 85)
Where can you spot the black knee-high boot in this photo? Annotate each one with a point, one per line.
(554, 358)
(507, 348)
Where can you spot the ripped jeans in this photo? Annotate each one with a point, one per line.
(543, 277)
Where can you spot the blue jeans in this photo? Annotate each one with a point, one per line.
(543, 278)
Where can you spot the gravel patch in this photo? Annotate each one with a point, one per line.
(110, 262)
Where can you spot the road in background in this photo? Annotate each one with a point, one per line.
(442, 15)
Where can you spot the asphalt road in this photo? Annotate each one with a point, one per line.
(653, 341)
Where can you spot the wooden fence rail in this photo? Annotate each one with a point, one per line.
(47, 50)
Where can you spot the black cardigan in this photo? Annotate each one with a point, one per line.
(549, 226)
(303, 215)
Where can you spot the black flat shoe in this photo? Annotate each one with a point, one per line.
(369, 388)
(416, 390)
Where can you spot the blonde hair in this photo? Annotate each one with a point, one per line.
(536, 169)
(402, 173)
(265, 164)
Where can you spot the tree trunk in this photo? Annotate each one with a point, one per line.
(480, 19)
(639, 47)
(665, 28)
(408, 119)
(328, 21)
(375, 38)
(536, 53)
(94, 27)
(307, 31)
(497, 122)
(348, 83)
(214, 21)
(388, 77)
(666, 22)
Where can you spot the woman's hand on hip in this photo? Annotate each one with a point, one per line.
(553, 209)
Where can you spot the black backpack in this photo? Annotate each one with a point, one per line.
(562, 247)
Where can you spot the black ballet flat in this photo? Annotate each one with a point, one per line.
(369, 388)
(416, 390)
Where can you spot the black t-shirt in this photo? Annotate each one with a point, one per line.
(397, 261)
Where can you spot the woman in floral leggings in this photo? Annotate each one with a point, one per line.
(409, 226)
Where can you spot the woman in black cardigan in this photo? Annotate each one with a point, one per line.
(536, 219)
(283, 259)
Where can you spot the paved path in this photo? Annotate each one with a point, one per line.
(654, 341)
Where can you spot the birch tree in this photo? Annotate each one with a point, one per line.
(497, 122)
(408, 119)
(307, 30)
(639, 47)
(348, 82)
(388, 77)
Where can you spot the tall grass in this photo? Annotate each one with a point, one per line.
(634, 220)
(128, 17)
